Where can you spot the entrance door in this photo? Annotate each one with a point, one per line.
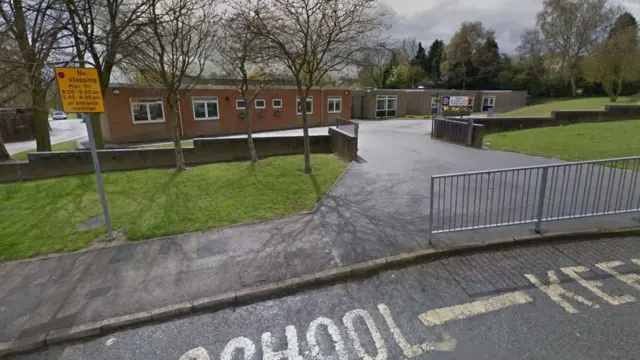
(488, 102)
(434, 106)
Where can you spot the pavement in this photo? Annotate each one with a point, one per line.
(571, 300)
(378, 208)
(61, 131)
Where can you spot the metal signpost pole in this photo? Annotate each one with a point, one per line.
(96, 167)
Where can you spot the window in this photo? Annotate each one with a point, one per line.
(309, 105)
(335, 104)
(147, 110)
(386, 105)
(471, 102)
(205, 108)
(489, 101)
(241, 105)
(261, 104)
(276, 103)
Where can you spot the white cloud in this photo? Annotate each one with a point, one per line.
(427, 20)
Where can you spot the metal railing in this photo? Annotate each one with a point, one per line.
(348, 126)
(534, 194)
(457, 131)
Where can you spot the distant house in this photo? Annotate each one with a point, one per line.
(137, 113)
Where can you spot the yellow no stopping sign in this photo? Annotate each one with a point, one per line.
(80, 90)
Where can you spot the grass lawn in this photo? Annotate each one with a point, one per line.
(573, 142)
(545, 109)
(40, 217)
(64, 146)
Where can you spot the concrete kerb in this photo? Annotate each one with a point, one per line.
(285, 287)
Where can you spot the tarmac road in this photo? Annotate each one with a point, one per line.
(574, 300)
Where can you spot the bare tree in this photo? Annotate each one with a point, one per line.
(531, 45)
(242, 59)
(572, 28)
(172, 52)
(311, 38)
(407, 48)
(373, 65)
(36, 28)
(106, 31)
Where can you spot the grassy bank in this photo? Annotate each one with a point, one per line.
(40, 217)
(574, 142)
(545, 109)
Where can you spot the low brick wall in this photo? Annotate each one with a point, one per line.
(563, 117)
(53, 164)
(344, 144)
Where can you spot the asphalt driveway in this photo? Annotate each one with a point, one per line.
(380, 206)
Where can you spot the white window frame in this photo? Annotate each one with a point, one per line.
(243, 107)
(273, 103)
(386, 109)
(263, 102)
(146, 101)
(493, 103)
(205, 100)
(309, 98)
(334, 100)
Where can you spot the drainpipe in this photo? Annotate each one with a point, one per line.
(322, 106)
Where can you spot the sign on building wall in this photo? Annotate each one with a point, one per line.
(459, 101)
(80, 90)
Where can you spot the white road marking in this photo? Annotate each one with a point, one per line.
(382, 352)
(110, 341)
(247, 346)
(475, 308)
(408, 349)
(556, 292)
(195, 354)
(333, 331)
(630, 279)
(291, 353)
(594, 286)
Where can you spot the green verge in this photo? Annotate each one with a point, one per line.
(545, 109)
(40, 217)
(573, 142)
(63, 146)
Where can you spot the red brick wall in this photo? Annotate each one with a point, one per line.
(122, 129)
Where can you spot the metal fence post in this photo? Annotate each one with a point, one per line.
(96, 168)
(543, 190)
(431, 213)
(470, 133)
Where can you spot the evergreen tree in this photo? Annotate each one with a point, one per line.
(420, 59)
(434, 61)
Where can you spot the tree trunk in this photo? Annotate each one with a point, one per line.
(4, 154)
(97, 130)
(177, 144)
(252, 148)
(305, 133)
(40, 119)
(618, 90)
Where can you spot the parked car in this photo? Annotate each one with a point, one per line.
(59, 115)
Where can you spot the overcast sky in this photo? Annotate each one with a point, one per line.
(427, 20)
